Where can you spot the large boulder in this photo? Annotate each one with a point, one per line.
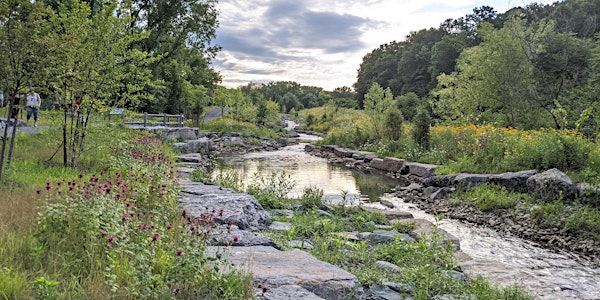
(202, 145)
(225, 205)
(421, 170)
(552, 184)
(513, 181)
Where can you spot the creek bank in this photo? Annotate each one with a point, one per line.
(418, 184)
(292, 274)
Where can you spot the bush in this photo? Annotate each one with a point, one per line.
(311, 198)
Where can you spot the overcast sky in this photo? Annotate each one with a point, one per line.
(321, 42)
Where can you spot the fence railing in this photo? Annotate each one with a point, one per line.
(146, 119)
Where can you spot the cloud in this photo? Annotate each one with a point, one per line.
(321, 42)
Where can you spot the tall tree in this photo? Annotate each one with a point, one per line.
(377, 102)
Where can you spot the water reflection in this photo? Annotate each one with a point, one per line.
(338, 183)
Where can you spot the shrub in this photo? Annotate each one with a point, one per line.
(311, 198)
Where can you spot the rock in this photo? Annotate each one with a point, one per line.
(421, 170)
(378, 292)
(466, 181)
(513, 181)
(280, 226)
(239, 209)
(328, 148)
(190, 158)
(202, 146)
(387, 203)
(293, 134)
(387, 266)
(400, 287)
(343, 152)
(275, 268)
(241, 238)
(438, 195)
(412, 187)
(174, 133)
(377, 163)
(388, 236)
(552, 184)
(394, 165)
(287, 292)
(429, 190)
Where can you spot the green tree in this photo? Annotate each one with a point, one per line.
(393, 124)
(377, 102)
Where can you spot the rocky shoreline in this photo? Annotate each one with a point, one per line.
(433, 194)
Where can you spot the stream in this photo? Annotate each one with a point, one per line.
(504, 260)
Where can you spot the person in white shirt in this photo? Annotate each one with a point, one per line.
(33, 106)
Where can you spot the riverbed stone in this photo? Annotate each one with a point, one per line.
(275, 268)
(552, 184)
(394, 165)
(288, 213)
(377, 163)
(239, 209)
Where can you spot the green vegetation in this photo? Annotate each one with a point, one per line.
(110, 230)
(427, 266)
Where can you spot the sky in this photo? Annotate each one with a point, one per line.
(322, 42)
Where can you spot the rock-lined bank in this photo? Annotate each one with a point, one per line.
(418, 184)
(293, 274)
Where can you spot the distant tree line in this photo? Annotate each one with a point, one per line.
(531, 67)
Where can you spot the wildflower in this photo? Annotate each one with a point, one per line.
(225, 243)
(59, 183)
(236, 238)
(59, 191)
(155, 237)
(48, 187)
(220, 213)
(127, 203)
(80, 175)
(111, 238)
(179, 252)
(38, 191)
(183, 213)
(124, 217)
(170, 226)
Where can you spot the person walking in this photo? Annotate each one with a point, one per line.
(33, 106)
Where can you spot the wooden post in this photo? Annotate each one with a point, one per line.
(145, 119)
(181, 121)
(164, 119)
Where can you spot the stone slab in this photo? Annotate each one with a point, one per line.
(275, 268)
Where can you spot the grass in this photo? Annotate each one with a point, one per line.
(110, 229)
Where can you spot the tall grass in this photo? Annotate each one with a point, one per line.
(110, 230)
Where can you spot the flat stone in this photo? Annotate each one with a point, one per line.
(288, 292)
(421, 170)
(190, 158)
(513, 181)
(241, 238)
(275, 268)
(388, 236)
